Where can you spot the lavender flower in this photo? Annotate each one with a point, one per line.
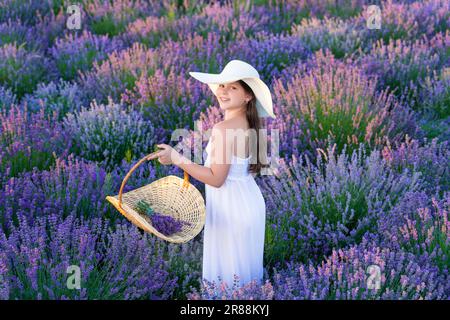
(166, 224)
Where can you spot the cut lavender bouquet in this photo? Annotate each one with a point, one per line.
(167, 225)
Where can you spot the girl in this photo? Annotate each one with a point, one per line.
(233, 244)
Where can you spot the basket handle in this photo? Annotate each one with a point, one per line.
(185, 182)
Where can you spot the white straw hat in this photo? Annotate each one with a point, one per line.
(239, 70)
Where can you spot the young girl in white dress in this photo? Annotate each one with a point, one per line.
(233, 242)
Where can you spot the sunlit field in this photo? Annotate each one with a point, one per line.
(357, 207)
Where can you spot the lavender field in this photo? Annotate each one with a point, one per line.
(362, 187)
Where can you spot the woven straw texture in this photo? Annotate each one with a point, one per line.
(170, 195)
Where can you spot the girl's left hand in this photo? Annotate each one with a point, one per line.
(166, 156)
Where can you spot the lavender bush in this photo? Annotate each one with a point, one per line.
(30, 140)
(278, 16)
(71, 186)
(432, 160)
(22, 70)
(7, 98)
(26, 11)
(408, 21)
(119, 72)
(334, 8)
(400, 64)
(61, 97)
(419, 225)
(168, 101)
(344, 275)
(111, 17)
(16, 32)
(118, 264)
(50, 27)
(431, 96)
(436, 128)
(109, 133)
(214, 18)
(75, 54)
(183, 261)
(291, 11)
(269, 53)
(334, 101)
(339, 36)
(313, 209)
(221, 291)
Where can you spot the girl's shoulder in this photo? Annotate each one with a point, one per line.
(232, 124)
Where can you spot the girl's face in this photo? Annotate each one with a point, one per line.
(232, 96)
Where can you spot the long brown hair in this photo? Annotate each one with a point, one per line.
(255, 122)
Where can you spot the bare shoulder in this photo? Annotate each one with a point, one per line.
(222, 127)
(228, 128)
(230, 131)
(231, 124)
(225, 124)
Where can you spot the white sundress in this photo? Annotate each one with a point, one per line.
(235, 227)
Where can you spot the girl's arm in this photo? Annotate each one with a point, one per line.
(217, 173)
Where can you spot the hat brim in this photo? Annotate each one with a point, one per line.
(212, 77)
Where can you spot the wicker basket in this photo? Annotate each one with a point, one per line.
(170, 195)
